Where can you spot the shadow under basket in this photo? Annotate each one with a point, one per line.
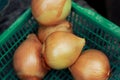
(99, 33)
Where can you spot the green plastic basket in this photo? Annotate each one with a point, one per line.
(99, 33)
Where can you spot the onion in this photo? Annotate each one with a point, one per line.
(44, 32)
(50, 12)
(91, 65)
(61, 49)
(27, 60)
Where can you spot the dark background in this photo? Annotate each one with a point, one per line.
(99, 6)
(10, 10)
(107, 8)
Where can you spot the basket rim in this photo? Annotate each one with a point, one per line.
(106, 24)
(15, 26)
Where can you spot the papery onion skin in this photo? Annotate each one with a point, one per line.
(44, 32)
(61, 49)
(50, 12)
(91, 65)
(27, 60)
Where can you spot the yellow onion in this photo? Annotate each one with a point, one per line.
(50, 12)
(27, 61)
(91, 65)
(44, 32)
(61, 49)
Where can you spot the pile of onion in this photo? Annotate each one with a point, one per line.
(44, 32)
(28, 62)
(50, 12)
(91, 65)
(61, 49)
(57, 47)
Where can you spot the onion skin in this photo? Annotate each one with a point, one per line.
(50, 12)
(27, 60)
(25, 77)
(61, 49)
(91, 65)
(44, 32)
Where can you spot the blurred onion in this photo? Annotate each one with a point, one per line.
(91, 65)
(44, 32)
(50, 12)
(28, 62)
(61, 49)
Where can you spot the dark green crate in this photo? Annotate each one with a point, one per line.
(99, 33)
